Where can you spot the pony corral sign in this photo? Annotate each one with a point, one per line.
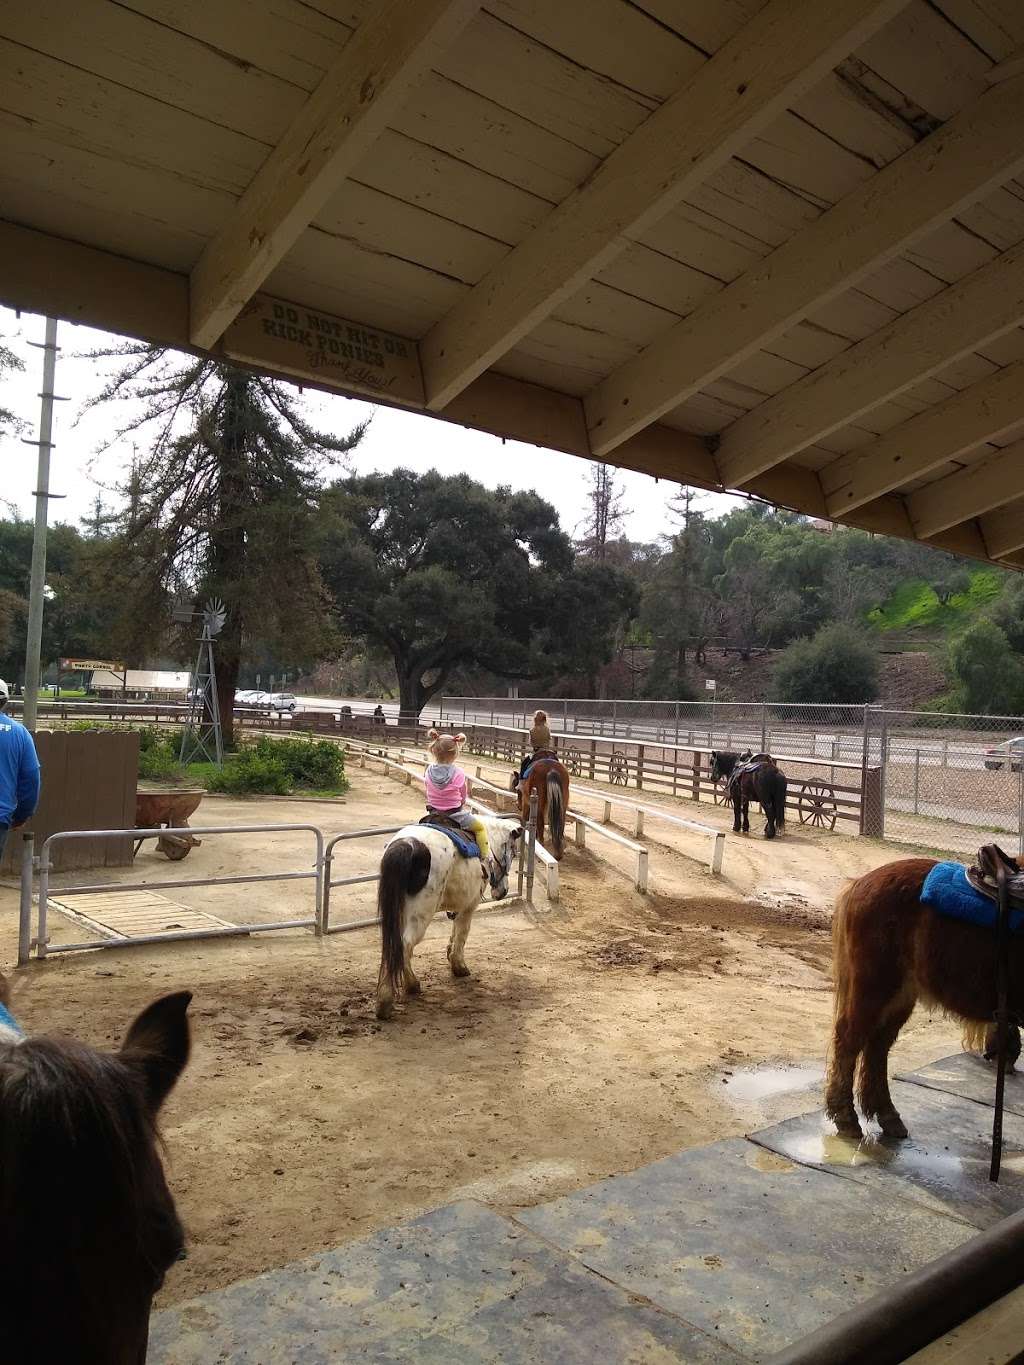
(327, 350)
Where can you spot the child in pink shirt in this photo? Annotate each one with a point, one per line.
(447, 786)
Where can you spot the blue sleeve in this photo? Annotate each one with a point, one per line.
(28, 781)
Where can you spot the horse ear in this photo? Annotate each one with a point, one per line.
(158, 1044)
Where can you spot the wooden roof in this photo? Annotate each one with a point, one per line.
(776, 247)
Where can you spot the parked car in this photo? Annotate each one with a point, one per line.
(250, 698)
(280, 701)
(1009, 754)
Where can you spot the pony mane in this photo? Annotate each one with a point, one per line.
(80, 1171)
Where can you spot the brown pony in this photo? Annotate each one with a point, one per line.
(890, 951)
(550, 780)
(88, 1227)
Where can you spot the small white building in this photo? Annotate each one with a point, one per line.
(140, 684)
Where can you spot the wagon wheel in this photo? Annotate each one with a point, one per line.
(817, 805)
(720, 794)
(618, 770)
(574, 761)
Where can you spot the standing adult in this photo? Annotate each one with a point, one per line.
(19, 771)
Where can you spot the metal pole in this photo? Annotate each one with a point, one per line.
(44, 891)
(917, 778)
(37, 582)
(1020, 809)
(25, 914)
(764, 727)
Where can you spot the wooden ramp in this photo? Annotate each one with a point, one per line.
(724, 1253)
(133, 914)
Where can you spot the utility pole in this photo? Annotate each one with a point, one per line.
(37, 582)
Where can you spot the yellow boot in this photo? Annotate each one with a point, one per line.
(480, 834)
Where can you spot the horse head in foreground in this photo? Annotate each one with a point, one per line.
(908, 931)
(88, 1227)
(424, 871)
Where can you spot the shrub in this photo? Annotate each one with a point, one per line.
(835, 665)
(276, 767)
(249, 773)
(316, 764)
(987, 677)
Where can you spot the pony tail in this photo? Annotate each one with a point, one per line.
(460, 739)
(433, 734)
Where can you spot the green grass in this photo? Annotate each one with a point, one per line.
(914, 605)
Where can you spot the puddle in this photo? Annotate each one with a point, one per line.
(757, 1084)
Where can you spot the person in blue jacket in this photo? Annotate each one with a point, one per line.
(19, 771)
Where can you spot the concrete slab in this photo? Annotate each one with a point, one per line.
(459, 1284)
(972, 1078)
(754, 1248)
(942, 1165)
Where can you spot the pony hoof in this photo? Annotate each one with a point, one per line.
(385, 1009)
(459, 969)
(413, 988)
(894, 1127)
(851, 1130)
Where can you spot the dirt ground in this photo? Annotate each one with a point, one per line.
(592, 1038)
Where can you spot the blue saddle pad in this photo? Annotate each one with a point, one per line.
(947, 891)
(467, 847)
(9, 1026)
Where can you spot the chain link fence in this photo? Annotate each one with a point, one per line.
(947, 782)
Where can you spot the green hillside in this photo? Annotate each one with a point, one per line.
(915, 606)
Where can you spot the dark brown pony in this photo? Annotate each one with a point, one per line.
(550, 780)
(88, 1227)
(765, 784)
(890, 952)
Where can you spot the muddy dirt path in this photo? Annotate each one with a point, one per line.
(589, 1040)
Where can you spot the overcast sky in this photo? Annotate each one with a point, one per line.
(395, 438)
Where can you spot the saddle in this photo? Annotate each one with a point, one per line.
(441, 821)
(750, 765)
(982, 875)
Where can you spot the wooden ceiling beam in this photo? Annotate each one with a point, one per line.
(974, 152)
(358, 96)
(970, 492)
(983, 305)
(925, 441)
(44, 274)
(1003, 530)
(778, 56)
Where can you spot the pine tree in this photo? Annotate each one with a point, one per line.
(606, 515)
(224, 503)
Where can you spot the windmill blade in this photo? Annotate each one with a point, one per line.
(214, 615)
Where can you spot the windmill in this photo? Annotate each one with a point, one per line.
(202, 740)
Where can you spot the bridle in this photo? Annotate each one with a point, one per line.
(498, 868)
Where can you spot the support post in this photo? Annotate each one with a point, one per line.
(531, 853)
(639, 767)
(764, 727)
(25, 909)
(37, 579)
(638, 822)
(641, 870)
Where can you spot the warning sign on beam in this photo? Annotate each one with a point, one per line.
(324, 349)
